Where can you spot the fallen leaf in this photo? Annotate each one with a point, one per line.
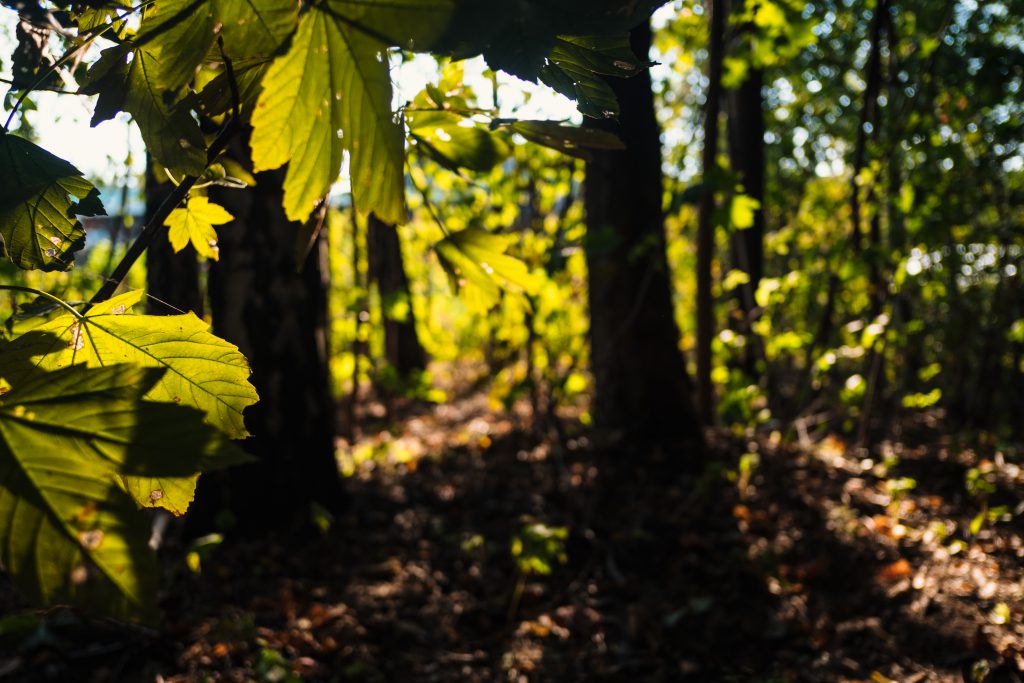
(900, 569)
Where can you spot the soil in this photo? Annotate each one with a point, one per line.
(774, 562)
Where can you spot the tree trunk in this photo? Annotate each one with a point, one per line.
(278, 318)
(746, 155)
(172, 280)
(402, 348)
(642, 390)
(705, 221)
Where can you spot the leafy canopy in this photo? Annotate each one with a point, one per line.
(108, 411)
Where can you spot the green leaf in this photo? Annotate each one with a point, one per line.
(409, 24)
(38, 207)
(576, 65)
(441, 137)
(478, 266)
(171, 135)
(331, 92)
(194, 223)
(741, 211)
(203, 370)
(177, 34)
(517, 36)
(68, 533)
(570, 140)
(216, 96)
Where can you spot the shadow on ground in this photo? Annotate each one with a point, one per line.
(786, 573)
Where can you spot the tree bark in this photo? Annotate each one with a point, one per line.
(278, 318)
(642, 390)
(402, 348)
(705, 220)
(746, 155)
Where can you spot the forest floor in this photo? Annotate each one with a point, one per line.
(810, 563)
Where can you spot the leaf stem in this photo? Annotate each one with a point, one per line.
(46, 295)
(427, 203)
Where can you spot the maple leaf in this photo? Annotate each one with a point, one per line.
(194, 223)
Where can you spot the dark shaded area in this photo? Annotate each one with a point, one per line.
(641, 387)
(795, 571)
(402, 349)
(277, 316)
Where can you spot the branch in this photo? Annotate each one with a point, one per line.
(145, 238)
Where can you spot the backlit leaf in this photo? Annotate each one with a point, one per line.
(331, 92)
(203, 370)
(576, 65)
(177, 34)
(68, 533)
(479, 268)
(38, 194)
(194, 223)
(171, 135)
(441, 137)
(570, 140)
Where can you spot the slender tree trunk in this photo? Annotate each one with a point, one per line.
(642, 390)
(402, 348)
(705, 221)
(172, 280)
(278, 318)
(746, 155)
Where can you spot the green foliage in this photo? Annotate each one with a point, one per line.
(193, 223)
(569, 140)
(330, 93)
(124, 81)
(39, 198)
(537, 548)
(69, 440)
(441, 136)
(99, 396)
(203, 371)
(575, 67)
(477, 265)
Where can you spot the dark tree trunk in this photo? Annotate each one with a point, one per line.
(402, 348)
(278, 318)
(172, 280)
(642, 390)
(746, 154)
(705, 221)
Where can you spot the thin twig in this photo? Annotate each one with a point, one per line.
(427, 203)
(46, 295)
(151, 228)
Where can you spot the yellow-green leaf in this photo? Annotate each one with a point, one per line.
(68, 534)
(203, 370)
(331, 92)
(479, 268)
(177, 34)
(194, 223)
